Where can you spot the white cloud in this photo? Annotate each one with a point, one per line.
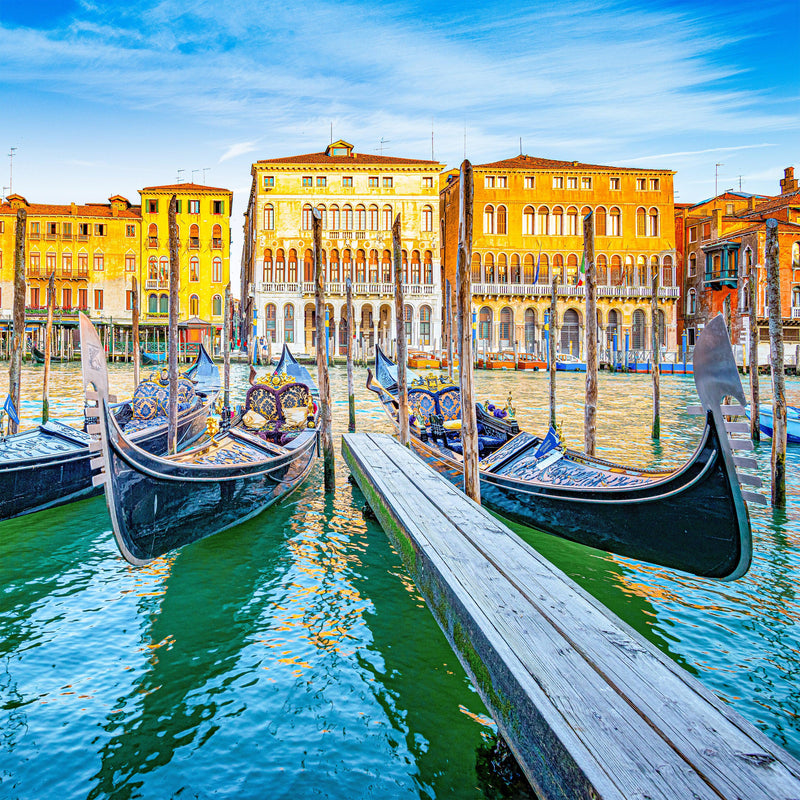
(238, 149)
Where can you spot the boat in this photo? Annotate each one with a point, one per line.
(566, 362)
(419, 359)
(765, 421)
(289, 365)
(693, 518)
(49, 465)
(530, 361)
(503, 360)
(38, 356)
(153, 357)
(159, 503)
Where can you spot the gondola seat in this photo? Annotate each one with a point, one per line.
(451, 438)
(445, 403)
(150, 404)
(285, 410)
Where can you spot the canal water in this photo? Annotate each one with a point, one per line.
(292, 656)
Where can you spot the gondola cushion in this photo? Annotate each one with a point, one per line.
(285, 408)
(449, 403)
(146, 400)
(421, 403)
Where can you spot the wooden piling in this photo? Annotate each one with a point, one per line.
(402, 348)
(135, 330)
(449, 326)
(325, 415)
(174, 285)
(469, 422)
(226, 360)
(590, 406)
(656, 371)
(48, 344)
(351, 397)
(18, 342)
(551, 346)
(776, 359)
(755, 400)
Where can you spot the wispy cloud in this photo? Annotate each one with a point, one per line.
(238, 149)
(683, 153)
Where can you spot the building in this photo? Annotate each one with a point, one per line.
(722, 238)
(358, 196)
(527, 227)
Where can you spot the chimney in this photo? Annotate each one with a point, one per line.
(751, 203)
(716, 225)
(789, 182)
(73, 209)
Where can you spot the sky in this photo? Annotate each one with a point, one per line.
(102, 98)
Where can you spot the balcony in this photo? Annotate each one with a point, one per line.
(34, 236)
(194, 242)
(336, 288)
(570, 290)
(152, 242)
(795, 312)
(717, 279)
(216, 244)
(82, 237)
(156, 283)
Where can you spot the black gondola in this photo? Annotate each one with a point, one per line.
(38, 356)
(693, 518)
(160, 503)
(49, 465)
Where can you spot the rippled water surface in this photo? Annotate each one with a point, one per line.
(293, 657)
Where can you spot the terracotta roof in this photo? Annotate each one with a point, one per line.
(356, 159)
(773, 204)
(534, 162)
(185, 187)
(86, 210)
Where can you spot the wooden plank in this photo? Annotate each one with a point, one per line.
(567, 654)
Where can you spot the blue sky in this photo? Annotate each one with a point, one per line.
(101, 98)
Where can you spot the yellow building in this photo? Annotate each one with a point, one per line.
(203, 218)
(358, 196)
(93, 250)
(528, 226)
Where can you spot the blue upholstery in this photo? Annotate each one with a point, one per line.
(448, 402)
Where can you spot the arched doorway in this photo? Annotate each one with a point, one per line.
(639, 330)
(571, 333)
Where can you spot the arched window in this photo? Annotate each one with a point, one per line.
(194, 269)
(485, 324)
(292, 266)
(528, 221)
(572, 268)
(270, 321)
(152, 270)
(530, 330)
(638, 330)
(652, 222)
(558, 267)
(654, 270)
(425, 325)
(348, 217)
(570, 332)
(323, 213)
(408, 313)
(488, 268)
(373, 266)
(335, 218)
(334, 269)
(427, 218)
(163, 272)
(528, 269)
(557, 222)
(361, 218)
(280, 266)
(476, 268)
(641, 222)
(506, 327)
(614, 225)
(543, 221)
(641, 271)
(288, 323)
(386, 267)
(194, 237)
(269, 217)
(572, 221)
(612, 330)
(543, 268)
(668, 274)
(516, 271)
(216, 270)
(691, 303)
(488, 219)
(373, 218)
(616, 276)
(152, 304)
(602, 270)
(627, 279)
(194, 306)
(267, 269)
(216, 305)
(796, 255)
(427, 268)
(502, 268)
(387, 218)
(661, 322)
(361, 266)
(308, 266)
(216, 236)
(163, 304)
(306, 217)
(502, 220)
(600, 221)
(692, 264)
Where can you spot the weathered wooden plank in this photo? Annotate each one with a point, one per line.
(570, 655)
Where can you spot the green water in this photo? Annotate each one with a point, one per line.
(293, 657)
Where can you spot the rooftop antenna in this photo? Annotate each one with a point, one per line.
(740, 183)
(331, 141)
(383, 142)
(432, 158)
(520, 145)
(5, 189)
(465, 138)
(716, 178)
(193, 172)
(205, 169)
(11, 170)
(180, 177)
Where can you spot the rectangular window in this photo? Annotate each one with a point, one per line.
(178, 206)
(427, 183)
(35, 230)
(613, 183)
(129, 300)
(130, 263)
(373, 182)
(83, 263)
(2, 226)
(66, 230)
(530, 182)
(152, 206)
(99, 262)
(100, 229)
(194, 206)
(489, 182)
(693, 234)
(98, 299)
(641, 184)
(83, 230)
(572, 183)
(66, 297)
(52, 229)
(706, 230)
(558, 182)
(388, 183)
(586, 183)
(347, 180)
(654, 184)
(34, 260)
(308, 181)
(83, 301)
(217, 206)
(130, 231)
(269, 181)
(322, 180)
(690, 337)
(502, 182)
(50, 262)
(34, 297)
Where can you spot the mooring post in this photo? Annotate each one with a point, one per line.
(469, 422)
(449, 324)
(402, 345)
(776, 359)
(755, 400)
(551, 346)
(135, 329)
(226, 360)
(18, 342)
(174, 285)
(590, 406)
(655, 283)
(351, 398)
(48, 345)
(325, 415)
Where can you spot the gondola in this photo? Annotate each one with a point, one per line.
(38, 356)
(159, 503)
(693, 518)
(153, 357)
(49, 465)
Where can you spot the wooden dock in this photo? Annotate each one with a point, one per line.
(588, 706)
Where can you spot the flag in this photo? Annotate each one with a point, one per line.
(538, 262)
(581, 271)
(550, 442)
(8, 407)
